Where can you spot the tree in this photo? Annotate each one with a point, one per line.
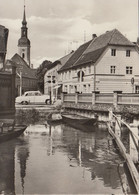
(41, 72)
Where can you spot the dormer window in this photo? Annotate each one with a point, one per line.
(113, 52)
(127, 53)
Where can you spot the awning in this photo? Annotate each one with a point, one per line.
(56, 87)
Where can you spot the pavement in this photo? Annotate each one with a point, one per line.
(36, 106)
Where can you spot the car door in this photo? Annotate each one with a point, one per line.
(31, 97)
(38, 97)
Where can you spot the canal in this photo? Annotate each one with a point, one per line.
(59, 159)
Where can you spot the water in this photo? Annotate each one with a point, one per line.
(59, 159)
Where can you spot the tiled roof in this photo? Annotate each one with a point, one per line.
(92, 50)
(113, 37)
(75, 56)
(92, 56)
(61, 61)
(22, 65)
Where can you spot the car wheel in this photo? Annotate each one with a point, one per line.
(47, 101)
(24, 102)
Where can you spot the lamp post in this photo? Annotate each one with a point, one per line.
(20, 78)
(51, 81)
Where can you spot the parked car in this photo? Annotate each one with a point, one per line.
(33, 97)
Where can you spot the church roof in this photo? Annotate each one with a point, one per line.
(23, 41)
(91, 51)
(22, 65)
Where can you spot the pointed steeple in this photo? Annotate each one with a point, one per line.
(24, 22)
(24, 42)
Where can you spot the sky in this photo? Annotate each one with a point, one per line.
(56, 27)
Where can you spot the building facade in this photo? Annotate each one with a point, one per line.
(51, 77)
(106, 63)
(24, 42)
(26, 79)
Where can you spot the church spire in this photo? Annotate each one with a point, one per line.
(24, 22)
(24, 42)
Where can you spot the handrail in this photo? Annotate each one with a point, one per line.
(129, 129)
(125, 124)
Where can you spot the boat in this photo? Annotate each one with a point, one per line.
(78, 120)
(16, 132)
(54, 118)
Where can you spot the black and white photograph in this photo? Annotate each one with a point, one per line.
(69, 97)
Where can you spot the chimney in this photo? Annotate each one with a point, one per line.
(94, 36)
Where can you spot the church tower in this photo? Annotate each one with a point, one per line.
(24, 42)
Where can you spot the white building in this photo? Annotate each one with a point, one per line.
(51, 84)
(107, 63)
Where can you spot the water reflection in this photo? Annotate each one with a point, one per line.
(62, 160)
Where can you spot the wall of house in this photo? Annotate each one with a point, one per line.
(105, 81)
(28, 84)
(51, 75)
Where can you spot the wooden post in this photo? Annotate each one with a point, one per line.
(115, 98)
(76, 97)
(13, 86)
(62, 97)
(118, 125)
(133, 144)
(94, 96)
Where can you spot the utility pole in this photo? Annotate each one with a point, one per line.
(94, 77)
(20, 86)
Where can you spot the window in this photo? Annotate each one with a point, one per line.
(137, 89)
(113, 52)
(129, 69)
(65, 88)
(23, 55)
(84, 88)
(127, 53)
(112, 69)
(89, 69)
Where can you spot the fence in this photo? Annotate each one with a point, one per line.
(115, 98)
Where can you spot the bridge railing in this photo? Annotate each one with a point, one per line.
(104, 98)
(115, 98)
(128, 99)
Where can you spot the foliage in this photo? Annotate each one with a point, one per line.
(27, 116)
(41, 72)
